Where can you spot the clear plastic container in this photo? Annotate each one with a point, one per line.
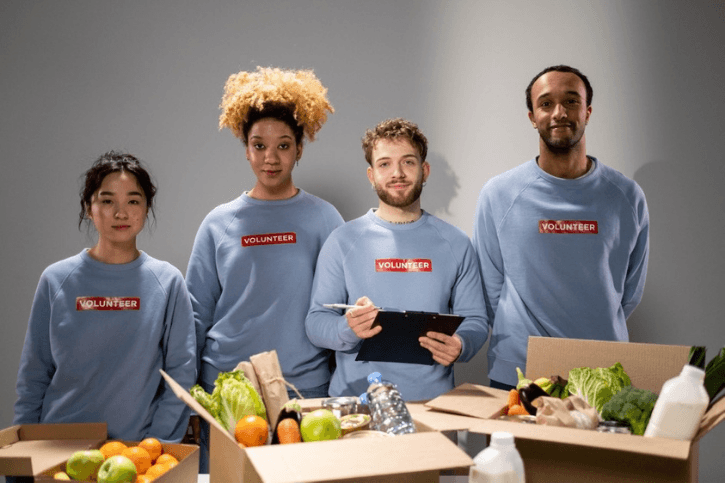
(387, 409)
(500, 462)
(680, 406)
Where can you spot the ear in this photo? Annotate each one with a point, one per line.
(531, 118)
(426, 170)
(299, 151)
(370, 176)
(589, 113)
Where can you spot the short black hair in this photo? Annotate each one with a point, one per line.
(559, 68)
(273, 110)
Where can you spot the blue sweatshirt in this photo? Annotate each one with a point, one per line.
(97, 336)
(250, 276)
(559, 258)
(368, 257)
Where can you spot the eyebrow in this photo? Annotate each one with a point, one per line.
(284, 136)
(548, 94)
(111, 193)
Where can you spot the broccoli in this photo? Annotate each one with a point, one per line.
(632, 406)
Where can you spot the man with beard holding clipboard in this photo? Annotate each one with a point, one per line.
(400, 257)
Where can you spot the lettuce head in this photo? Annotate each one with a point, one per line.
(597, 385)
(233, 398)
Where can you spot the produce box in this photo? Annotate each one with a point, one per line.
(41, 450)
(418, 457)
(565, 454)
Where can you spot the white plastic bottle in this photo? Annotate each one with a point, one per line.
(680, 406)
(500, 462)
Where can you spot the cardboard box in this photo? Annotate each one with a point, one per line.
(565, 454)
(41, 450)
(419, 457)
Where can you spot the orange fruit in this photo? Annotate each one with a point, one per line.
(251, 430)
(140, 457)
(157, 470)
(112, 448)
(288, 431)
(153, 446)
(166, 458)
(144, 479)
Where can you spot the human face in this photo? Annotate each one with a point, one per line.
(272, 153)
(397, 172)
(560, 112)
(118, 209)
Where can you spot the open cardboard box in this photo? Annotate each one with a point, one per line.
(418, 457)
(41, 450)
(565, 454)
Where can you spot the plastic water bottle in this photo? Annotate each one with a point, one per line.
(680, 406)
(388, 412)
(500, 462)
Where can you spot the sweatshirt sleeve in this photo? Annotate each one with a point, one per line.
(179, 352)
(327, 328)
(637, 266)
(467, 300)
(36, 361)
(202, 281)
(488, 250)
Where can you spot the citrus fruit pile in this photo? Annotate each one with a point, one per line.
(148, 458)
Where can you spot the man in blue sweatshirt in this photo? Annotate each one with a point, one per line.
(563, 240)
(398, 257)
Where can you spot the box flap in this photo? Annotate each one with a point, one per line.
(356, 458)
(648, 365)
(661, 447)
(471, 400)
(438, 420)
(714, 416)
(184, 395)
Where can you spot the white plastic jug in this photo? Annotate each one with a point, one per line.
(680, 406)
(500, 462)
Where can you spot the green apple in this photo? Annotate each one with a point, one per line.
(117, 469)
(320, 425)
(83, 465)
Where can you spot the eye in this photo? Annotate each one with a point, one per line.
(383, 164)
(284, 146)
(258, 146)
(106, 201)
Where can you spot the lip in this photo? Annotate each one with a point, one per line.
(561, 126)
(398, 186)
(121, 227)
(271, 173)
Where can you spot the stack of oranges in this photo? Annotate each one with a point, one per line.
(148, 456)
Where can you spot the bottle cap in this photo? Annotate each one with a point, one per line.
(375, 377)
(364, 398)
(502, 438)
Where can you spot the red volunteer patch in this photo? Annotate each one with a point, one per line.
(569, 227)
(269, 239)
(403, 265)
(108, 303)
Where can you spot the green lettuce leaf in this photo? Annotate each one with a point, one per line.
(233, 398)
(597, 385)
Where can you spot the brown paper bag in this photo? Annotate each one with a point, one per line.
(572, 412)
(248, 369)
(274, 389)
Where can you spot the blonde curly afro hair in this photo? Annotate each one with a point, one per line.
(298, 91)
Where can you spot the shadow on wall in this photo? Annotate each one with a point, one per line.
(441, 188)
(686, 265)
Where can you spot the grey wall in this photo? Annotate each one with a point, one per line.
(81, 77)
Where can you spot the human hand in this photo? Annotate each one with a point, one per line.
(445, 348)
(361, 319)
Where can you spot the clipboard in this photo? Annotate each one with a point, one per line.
(398, 341)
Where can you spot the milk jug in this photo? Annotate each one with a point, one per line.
(680, 406)
(500, 462)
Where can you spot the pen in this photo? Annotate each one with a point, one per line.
(342, 306)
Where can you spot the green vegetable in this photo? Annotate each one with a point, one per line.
(597, 386)
(697, 356)
(233, 398)
(715, 375)
(632, 406)
(522, 380)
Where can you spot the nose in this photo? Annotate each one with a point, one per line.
(559, 112)
(121, 212)
(271, 157)
(398, 171)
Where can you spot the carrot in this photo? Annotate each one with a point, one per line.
(288, 431)
(513, 398)
(518, 409)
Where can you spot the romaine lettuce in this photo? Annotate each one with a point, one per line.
(233, 398)
(597, 385)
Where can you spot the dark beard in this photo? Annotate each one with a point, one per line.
(411, 198)
(560, 146)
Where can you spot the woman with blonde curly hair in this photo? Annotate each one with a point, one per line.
(251, 267)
